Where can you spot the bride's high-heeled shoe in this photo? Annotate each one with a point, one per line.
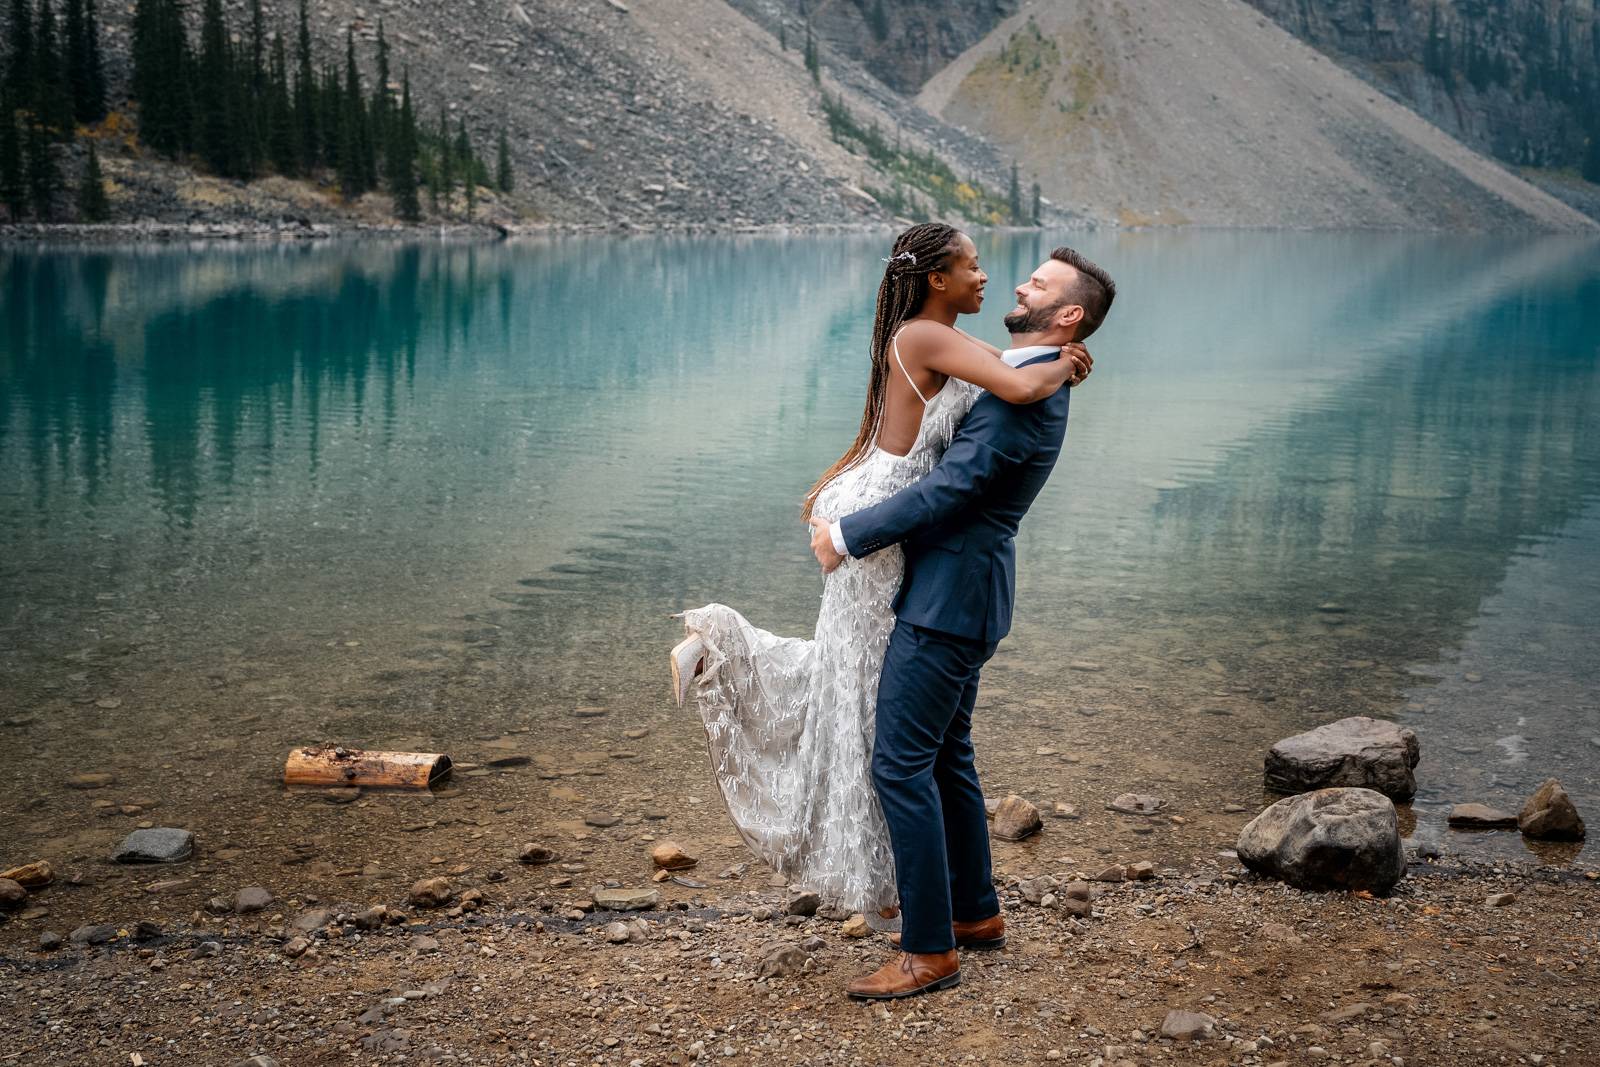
(688, 660)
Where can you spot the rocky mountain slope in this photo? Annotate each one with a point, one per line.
(673, 114)
(1207, 113)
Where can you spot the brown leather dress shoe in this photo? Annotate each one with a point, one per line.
(908, 974)
(981, 935)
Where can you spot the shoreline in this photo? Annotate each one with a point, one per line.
(1431, 974)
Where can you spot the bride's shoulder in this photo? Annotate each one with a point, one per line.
(923, 334)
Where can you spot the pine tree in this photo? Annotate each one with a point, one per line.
(94, 69)
(446, 165)
(356, 165)
(40, 171)
(1014, 196)
(305, 87)
(502, 177)
(878, 20)
(92, 203)
(783, 36)
(213, 95)
(52, 102)
(401, 160)
(19, 59)
(283, 143)
(382, 110)
(1038, 205)
(466, 161)
(813, 61)
(13, 190)
(1591, 159)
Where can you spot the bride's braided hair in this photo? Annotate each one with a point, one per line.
(917, 252)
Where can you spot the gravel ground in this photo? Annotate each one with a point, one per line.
(1433, 974)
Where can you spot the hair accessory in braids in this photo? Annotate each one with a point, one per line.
(917, 253)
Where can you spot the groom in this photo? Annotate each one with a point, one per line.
(957, 526)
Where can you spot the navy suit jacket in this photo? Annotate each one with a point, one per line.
(957, 524)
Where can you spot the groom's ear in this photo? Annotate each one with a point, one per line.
(1070, 315)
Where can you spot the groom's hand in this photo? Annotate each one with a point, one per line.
(1082, 362)
(822, 544)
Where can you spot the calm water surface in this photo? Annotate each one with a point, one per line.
(443, 496)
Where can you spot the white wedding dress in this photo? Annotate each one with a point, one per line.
(790, 721)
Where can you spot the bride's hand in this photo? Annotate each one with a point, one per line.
(1080, 363)
(822, 544)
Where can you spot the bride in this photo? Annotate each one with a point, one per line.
(789, 720)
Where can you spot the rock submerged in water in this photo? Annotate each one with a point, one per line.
(1550, 814)
(1480, 817)
(1357, 752)
(1016, 819)
(161, 844)
(1328, 839)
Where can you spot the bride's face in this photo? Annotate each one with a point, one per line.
(961, 282)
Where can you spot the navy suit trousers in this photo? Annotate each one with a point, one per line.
(927, 782)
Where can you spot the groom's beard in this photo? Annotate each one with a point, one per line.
(1025, 320)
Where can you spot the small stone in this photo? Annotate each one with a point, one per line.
(12, 894)
(1345, 1013)
(91, 780)
(1187, 1025)
(782, 960)
(1480, 817)
(34, 875)
(671, 856)
(590, 712)
(1085, 666)
(1136, 804)
(1016, 819)
(804, 903)
(1113, 873)
(251, 899)
(341, 795)
(601, 821)
(1141, 871)
(661, 876)
(1500, 900)
(93, 935)
(535, 855)
(311, 920)
(49, 941)
(616, 933)
(1080, 909)
(423, 944)
(1550, 814)
(373, 918)
(510, 761)
(1064, 811)
(431, 893)
(636, 733)
(627, 899)
(256, 1061)
(296, 947)
(1234, 809)
(1033, 890)
(155, 845)
(1077, 891)
(856, 926)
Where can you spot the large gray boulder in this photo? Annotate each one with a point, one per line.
(1550, 814)
(1357, 752)
(1327, 839)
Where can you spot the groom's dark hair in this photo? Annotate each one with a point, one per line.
(1093, 291)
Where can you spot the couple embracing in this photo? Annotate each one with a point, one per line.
(846, 759)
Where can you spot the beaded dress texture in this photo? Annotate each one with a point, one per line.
(790, 721)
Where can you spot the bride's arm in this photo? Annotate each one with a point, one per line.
(980, 342)
(950, 352)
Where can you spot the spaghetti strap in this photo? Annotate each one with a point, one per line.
(894, 343)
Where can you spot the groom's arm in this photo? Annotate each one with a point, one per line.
(994, 437)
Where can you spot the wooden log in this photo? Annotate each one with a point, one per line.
(330, 765)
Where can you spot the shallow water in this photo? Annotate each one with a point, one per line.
(441, 496)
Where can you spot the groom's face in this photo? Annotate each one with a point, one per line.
(1042, 300)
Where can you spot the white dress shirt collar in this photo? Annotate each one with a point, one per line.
(1015, 357)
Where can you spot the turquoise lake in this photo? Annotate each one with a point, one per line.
(441, 495)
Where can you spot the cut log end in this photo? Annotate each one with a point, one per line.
(329, 765)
